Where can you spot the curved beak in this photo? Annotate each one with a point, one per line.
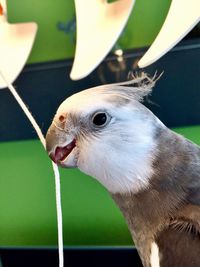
(58, 144)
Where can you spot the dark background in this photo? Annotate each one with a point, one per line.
(175, 99)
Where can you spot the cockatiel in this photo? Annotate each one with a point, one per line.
(152, 173)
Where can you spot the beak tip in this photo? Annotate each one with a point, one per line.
(52, 157)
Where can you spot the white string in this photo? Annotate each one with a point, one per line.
(55, 167)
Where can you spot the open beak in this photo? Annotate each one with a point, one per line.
(58, 149)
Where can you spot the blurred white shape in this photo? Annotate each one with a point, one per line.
(16, 41)
(183, 15)
(99, 24)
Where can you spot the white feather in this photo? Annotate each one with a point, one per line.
(154, 257)
(121, 158)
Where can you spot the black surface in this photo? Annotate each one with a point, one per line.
(73, 257)
(176, 98)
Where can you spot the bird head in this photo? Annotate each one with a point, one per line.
(107, 133)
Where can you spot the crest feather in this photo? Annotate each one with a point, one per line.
(137, 88)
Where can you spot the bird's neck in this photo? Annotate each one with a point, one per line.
(150, 210)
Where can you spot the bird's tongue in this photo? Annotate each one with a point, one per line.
(61, 153)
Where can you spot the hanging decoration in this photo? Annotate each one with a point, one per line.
(99, 24)
(15, 45)
(183, 15)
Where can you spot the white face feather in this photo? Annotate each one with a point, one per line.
(120, 153)
(121, 157)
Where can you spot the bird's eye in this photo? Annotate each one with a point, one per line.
(100, 119)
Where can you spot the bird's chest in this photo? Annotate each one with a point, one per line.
(144, 221)
(164, 236)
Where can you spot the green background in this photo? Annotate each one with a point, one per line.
(27, 201)
(143, 25)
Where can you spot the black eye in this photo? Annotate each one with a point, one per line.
(100, 119)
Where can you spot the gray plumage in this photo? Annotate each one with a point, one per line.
(152, 173)
(168, 211)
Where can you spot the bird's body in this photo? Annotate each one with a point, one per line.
(152, 173)
(167, 213)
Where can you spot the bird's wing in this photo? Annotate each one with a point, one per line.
(179, 244)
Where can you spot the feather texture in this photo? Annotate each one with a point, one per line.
(152, 173)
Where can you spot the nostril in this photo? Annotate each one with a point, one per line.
(61, 118)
